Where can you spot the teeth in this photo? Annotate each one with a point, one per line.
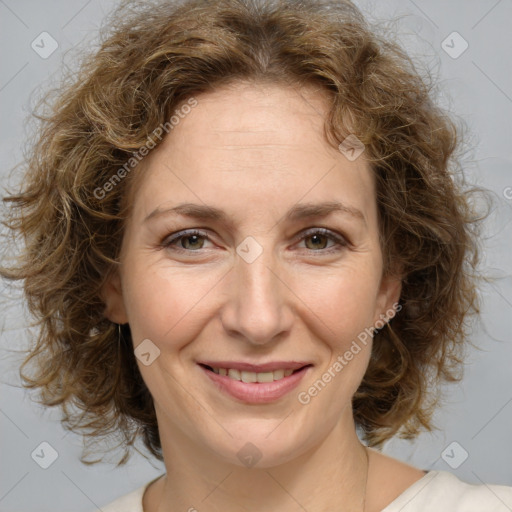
(253, 376)
(265, 376)
(234, 374)
(278, 374)
(248, 376)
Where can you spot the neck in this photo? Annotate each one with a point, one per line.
(331, 475)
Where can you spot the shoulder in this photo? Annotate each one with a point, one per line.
(400, 487)
(444, 492)
(131, 502)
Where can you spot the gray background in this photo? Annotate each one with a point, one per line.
(477, 413)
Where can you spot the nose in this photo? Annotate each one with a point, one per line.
(259, 307)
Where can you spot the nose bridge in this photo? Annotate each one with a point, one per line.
(258, 307)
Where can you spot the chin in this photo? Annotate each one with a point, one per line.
(260, 445)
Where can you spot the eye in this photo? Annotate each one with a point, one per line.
(188, 240)
(319, 237)
(193, 241)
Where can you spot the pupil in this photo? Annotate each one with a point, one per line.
(316, 237)
(195, 237)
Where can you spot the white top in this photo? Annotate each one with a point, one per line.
(438, 491)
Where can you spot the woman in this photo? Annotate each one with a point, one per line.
(244, 240)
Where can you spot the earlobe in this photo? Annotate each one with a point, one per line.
(112, 295)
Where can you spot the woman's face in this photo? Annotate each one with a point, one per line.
(273, 282)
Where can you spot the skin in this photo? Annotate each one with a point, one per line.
(255, 151)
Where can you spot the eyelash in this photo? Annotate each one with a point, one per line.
(340, 241)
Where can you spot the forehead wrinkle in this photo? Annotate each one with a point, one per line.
(252, 146)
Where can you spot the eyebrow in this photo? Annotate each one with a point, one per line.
(298, 212)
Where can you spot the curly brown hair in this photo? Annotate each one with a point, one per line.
(154, 56)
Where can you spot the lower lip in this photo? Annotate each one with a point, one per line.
(256, 392)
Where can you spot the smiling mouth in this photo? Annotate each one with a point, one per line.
(254, 377)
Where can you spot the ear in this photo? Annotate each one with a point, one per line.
(388, 297)
(112, 295)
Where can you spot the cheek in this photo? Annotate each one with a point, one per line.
(165, 304)
(343, 301)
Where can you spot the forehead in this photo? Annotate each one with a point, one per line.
(265, 137)
(242, 116)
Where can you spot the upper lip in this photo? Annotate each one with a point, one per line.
(258, 368)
